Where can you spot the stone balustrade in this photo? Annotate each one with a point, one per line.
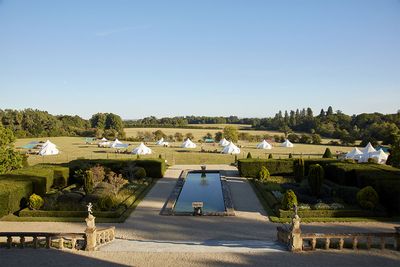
(44, 239)
(297, 241)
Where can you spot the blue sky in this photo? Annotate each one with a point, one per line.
(166, 58)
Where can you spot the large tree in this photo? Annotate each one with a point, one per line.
(9, 158)
(231, 133)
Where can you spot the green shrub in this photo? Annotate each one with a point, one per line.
(155, 168)
(249, 156)
(315, 179)
(270, 156)
(327, 154)
(299, 170)
(290, 156)
(263, 175)
(368, 198)
(289, 200)
(140, 173)
(88, 182)
(35, 202)
(252, 167)
(107, 203)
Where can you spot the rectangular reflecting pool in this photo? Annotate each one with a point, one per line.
(204, 187)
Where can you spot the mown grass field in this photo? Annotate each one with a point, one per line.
(75, 147)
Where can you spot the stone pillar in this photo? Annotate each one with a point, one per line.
(397, 238)
(296, 242)
(91, 233)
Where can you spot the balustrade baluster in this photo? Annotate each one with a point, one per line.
(22, 241)
(35, 242)
(368, 242)
(383, 244)
(327, 243)
(9, 241)
(355, 242)
(341, 243)
(313, 243)
(61, 243)
(48, 241)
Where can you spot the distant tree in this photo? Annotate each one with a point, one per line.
(178, 137)
(329, 111)
(231, 133)
(218, 136)
(189, 135)
(159, 134)
(316, 139)
(9, 158)
(395, 152)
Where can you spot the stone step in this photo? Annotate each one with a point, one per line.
(209, 246)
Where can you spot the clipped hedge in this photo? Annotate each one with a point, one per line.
(251, 167)
(13, 194)
(331, 213)
(154, 168)
(43, 176)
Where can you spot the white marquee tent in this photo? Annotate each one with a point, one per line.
(264, 145)
(287, 143)
(354, 153)
(48, 148)
(188, 144)
(223, 142)
(142, 149)
(366, 153)
(231, 149)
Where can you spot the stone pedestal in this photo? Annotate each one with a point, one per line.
(296, 242)
(91, 233)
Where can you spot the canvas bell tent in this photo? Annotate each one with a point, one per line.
(287, 143)
(142, 149)
(188, 144)
(231, 149)
(223, 142)
(264, 145)
(48, 148)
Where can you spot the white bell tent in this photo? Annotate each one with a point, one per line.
(142, 149)
(103, 139)
(48, 148)
(224, 142)
(287, 143)
(160, 142)
(188, 144)
(118, 144)
(231, 149)
(264, 145)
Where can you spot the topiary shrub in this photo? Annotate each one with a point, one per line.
(290, 156)
(372, 160)
(98, 174)
(315, 179)
(249, 156)
(88, 184)
(263, 175)
(35, 202)
(159, 156)
(270, 156)
(299, 170)
(140, 173)
(327, 154)
(289, 200)
(368, 198)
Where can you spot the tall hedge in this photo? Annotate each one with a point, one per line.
(14, 194)
(315, 179)
(299, 170)
(252, 167)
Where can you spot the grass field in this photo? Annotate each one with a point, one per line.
(74, 147)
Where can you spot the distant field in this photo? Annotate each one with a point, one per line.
(199, 133)
(75, 147)
(222, 126)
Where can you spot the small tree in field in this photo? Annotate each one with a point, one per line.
(249, 155)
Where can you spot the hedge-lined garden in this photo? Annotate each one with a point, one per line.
(324, 188)
(55, 191)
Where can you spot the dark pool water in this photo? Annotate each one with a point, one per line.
(206, 189)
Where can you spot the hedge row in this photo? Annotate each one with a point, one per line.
(44, 177)
(155, 168)
(331, 213)
(251, 167)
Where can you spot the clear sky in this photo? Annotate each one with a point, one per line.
(212, 57)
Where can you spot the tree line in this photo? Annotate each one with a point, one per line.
(368, 127)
